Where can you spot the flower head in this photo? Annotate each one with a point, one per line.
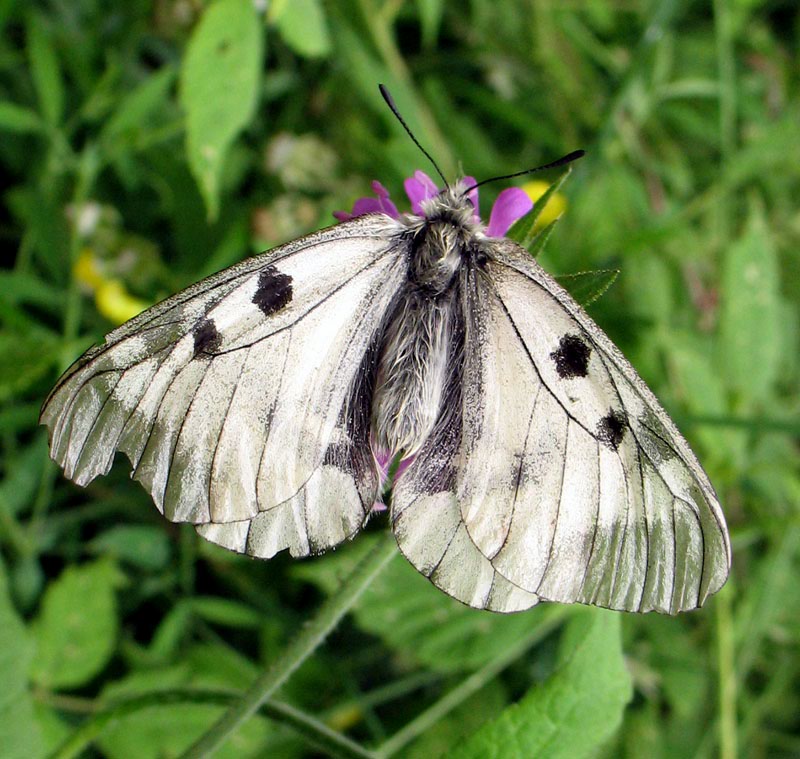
(511, 204)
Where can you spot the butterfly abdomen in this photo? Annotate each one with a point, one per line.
(412, 371)
(418, 348)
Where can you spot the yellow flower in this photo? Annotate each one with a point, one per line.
(86, 270)
(556, 205)
(116, 303)
(110, 296)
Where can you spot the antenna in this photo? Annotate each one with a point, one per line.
(390, 102)
(568, 158)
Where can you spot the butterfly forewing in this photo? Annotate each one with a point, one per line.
(245, 393)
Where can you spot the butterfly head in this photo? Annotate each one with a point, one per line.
(443, 236)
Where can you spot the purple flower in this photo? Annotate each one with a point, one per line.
(511, 204)
(380, 204)
(384, 461)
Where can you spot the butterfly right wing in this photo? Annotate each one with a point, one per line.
(241, 400)
(555, 468)
(425, 511)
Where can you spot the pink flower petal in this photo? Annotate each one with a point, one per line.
(418, 188)
(402, 466)
(473, 195)
(383, 459)
(379, 204)
(367, 205)
(511, 204)
(387, 207)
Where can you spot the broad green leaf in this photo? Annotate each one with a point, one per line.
(45, 70)
(135, 109)
(701, 389)
(487, 704)
(575, 710)
(303, 26)
(416, 618)
(144, 546)
(219, 88)
(17, 118)
(648, 287)
(20, 736)
(750, 316)
(168, 729)
(587, 286)
(77, 626)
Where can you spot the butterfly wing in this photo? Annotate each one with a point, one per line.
(567, 477)
(243, 401)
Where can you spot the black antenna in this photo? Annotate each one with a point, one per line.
(568, 158)
(390, 102)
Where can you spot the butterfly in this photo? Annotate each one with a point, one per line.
(262, 404)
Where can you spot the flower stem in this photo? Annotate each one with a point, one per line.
(306, 642)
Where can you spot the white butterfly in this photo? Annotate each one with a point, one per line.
(254, 404)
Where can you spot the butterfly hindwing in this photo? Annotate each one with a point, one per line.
(240, 400)
(426, 514)
(568, 478)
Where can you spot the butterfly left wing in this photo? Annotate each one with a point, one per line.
(566, 476)
(243, 401)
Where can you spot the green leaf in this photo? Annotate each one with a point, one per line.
(24, 471)
(77, 626)
(303, 26)
(524, 230)
(700, 388)
(587, 286)
(574, 711)
(416, 618)
(168, 729)
(219, 88)
(15, 118)
(135, 110)
(223, 611)
(143, 546)
(45, 70)
(20, 736)
(750, 338)
(430, 20)
(26, 358)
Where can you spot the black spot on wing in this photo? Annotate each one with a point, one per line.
(611, 429)
(274, 290)
(571, 357)
(206, 337)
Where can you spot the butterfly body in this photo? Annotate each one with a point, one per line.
(254, 404)
(422, 342)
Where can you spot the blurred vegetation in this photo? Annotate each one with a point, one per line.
(146, 144)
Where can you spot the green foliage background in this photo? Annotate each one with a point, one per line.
(165, 140)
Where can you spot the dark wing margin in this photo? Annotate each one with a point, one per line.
(239, 401)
